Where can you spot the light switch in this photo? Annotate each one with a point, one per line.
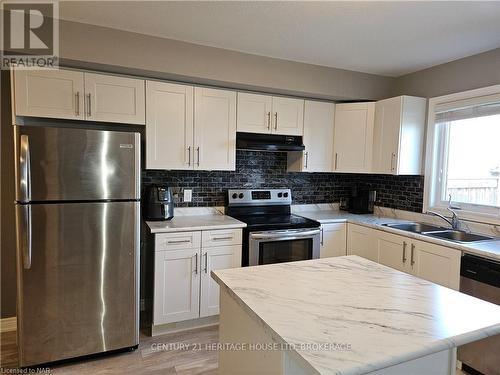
(188, 195)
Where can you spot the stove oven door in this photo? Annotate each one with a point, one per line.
(283, 246)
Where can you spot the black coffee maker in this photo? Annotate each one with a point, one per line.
(158, 203)
(362, 200)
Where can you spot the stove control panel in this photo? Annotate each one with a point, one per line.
(240, 197)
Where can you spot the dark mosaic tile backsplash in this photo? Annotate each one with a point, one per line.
(256, 169)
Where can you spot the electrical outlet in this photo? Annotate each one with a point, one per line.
(188, 195)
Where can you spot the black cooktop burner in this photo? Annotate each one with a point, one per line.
(276, 222)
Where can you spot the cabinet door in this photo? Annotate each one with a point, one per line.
(254, 113)
(177, 285)
(386, 135)
(362, 241)
(49, 93)
(411, 139)
(114, 99)
(318, 136)
(333, 240)
(288, 116)
(169, 126)
(214, 129)
(215, 258)
(435, 263)
(393, 251)
(353, 137)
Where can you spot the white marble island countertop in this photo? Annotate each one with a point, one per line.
(384, 317)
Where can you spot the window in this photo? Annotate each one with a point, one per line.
(464, 162)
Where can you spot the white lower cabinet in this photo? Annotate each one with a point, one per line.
(177, 280)
(393, 251)
(183, 286)
(215, 258)
(361, 242)
(333, 240)
(435, 263)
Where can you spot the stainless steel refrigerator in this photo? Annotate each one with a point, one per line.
(77, 220)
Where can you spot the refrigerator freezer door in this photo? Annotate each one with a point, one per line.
(76, 164)
(80, 294)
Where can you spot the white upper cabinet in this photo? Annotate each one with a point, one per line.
(254, 113)
(214, 129)
(75, 95)
(190, 128)
(318, 139)
(114, 99)
(270, 114)
(398, 135)
(169, 126)
(288, 116)
(353, 137)
(49, 93)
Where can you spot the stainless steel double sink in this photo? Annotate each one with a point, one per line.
(439, 232)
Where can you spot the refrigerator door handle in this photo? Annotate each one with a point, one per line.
(25, 169)
(23, 215)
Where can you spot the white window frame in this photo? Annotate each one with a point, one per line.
(434, 158)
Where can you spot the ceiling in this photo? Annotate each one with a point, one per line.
(386, 38)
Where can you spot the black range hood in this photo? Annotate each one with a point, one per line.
(268, 142)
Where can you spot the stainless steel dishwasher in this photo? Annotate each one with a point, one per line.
(480, 277)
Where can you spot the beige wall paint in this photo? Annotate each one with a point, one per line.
(101, 48)
(460, 75)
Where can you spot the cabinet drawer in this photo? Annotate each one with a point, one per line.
(221, 237)
(176, 241)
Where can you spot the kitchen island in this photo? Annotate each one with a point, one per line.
(343, 315)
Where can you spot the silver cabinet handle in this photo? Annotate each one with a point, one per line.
(77, 103)
(269, 120)
(412, 260)
(322, 236)
(222, 238)
(23, 229)
(89, 110)
(307, 159)
(393, 156)
(198, 152)
(404, 252)
(206, 262)
(24, 182)
(336, 158)
(196, 263)
(178, 241)
(275, 120)
(189, 155)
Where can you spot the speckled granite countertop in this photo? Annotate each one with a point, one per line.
(386, 316)
(489, 249)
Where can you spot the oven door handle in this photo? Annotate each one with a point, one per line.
(284, 235)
